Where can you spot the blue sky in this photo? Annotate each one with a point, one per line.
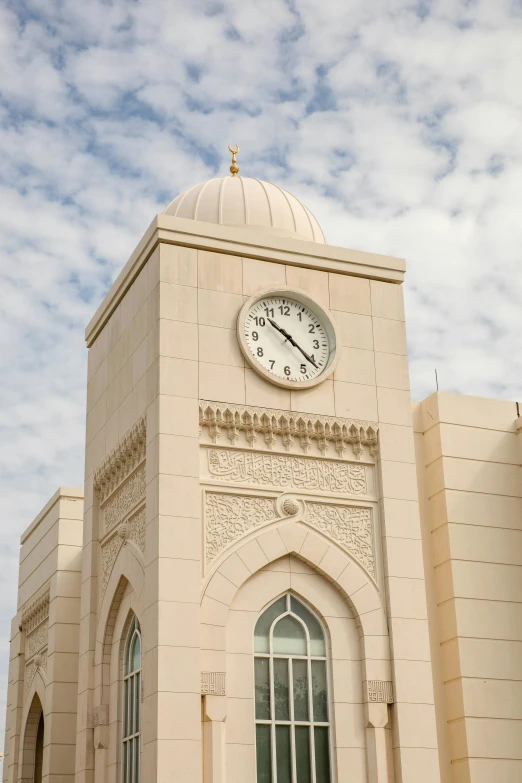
(397, 123)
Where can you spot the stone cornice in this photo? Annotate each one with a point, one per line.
(122, 460)
(248, 243)
(307, 429)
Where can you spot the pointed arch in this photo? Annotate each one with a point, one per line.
(268, 545)
(128, 569)
(29, 743)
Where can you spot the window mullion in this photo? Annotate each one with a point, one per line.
(292, 719)
(312, 719)
(272, 713)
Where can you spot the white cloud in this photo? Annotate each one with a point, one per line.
(399, 128)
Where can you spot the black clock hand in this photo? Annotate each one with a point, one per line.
(292, 341)
(283, 331)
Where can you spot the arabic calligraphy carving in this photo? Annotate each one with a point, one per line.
(287, 471)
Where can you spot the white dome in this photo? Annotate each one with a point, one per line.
(247, 203)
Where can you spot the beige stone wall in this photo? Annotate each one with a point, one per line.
(469, 459)
(43, 667)
(122, 389)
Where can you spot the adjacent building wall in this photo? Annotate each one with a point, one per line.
(43, 666)
(469, 458)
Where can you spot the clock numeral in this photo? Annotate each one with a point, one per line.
(287, 370)
(272, 363)
(284, 309)
(316, 343)
(269, 312)
(259, 351)
(311, 329)
(303, 369)
(255, 337)
(300, 315)
(259, 321)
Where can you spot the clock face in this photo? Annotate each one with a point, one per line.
(288, 339)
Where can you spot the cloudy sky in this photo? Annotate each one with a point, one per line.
(398, 123)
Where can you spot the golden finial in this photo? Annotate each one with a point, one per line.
(234, 167)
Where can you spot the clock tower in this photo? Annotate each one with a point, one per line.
(253, 606)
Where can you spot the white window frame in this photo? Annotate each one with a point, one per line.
(310, 723)
(131, 706)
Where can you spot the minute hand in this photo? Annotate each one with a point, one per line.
(292, 341)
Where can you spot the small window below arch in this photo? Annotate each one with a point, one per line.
(291, 695)
(131, 705)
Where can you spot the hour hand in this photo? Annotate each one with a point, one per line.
(280, 329)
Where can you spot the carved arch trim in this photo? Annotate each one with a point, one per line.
(128, 568)
(269, 544)
(234, 518)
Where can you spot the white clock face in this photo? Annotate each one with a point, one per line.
(287, 338)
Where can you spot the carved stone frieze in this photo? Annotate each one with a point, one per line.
(36, 610)
(38, 662)
(122, 460)
(349, 526)
(136, 529)
(278, 470)
(213, 683)
(228, 517)
(100, 715)
(37, 639)
(281, 429)
(30, 670)
(121, 485)
(109, 553)
(35, 625)
(126, 497)
(380, 691)
(131, 530)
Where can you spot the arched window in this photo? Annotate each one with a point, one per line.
(291, 695)
(132, 705)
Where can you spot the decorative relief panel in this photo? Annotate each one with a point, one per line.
(100, 715)
(109, 553)
(287, 471)
(349, 526)
(136, 529)
(124, 499)
(38, 662)
(36, 610)
(120, 483)
(213, 683)
(122, 460)
(269, 428)
(131, 530)
(228, 517)
(380, 691)
(36, 639)
(35, 625)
